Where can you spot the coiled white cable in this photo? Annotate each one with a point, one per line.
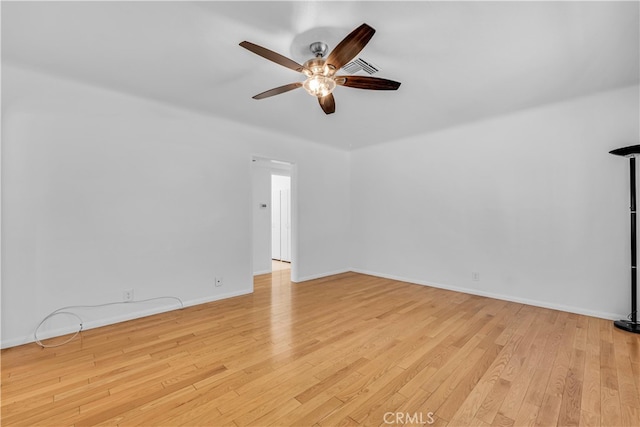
(63, 310)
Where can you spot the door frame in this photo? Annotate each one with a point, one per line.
(293, 169)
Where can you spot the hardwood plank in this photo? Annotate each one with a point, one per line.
(121, 406)
(630, 416)
(356, 394)
(308, 413)
(628, 388)
(468, 409)
(589, 419)
(572, 395)
(321, 405)
(611, 411)
(183, 410)
(337, 376)
(522, 379)
(469, 381)
(590, 404)
(552, 401)
(527, 415)
(608, 373)
(374, 414)
(501, 420)
(491, 404)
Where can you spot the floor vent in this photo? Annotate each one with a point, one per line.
(360, 64)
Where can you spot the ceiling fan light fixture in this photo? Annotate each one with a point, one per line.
(319, 85)
(319, 81)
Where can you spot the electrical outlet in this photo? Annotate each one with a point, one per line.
(475, 276)
(218, 282)
(127, 295)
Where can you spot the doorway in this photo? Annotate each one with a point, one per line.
(274, 241)
(280, 218)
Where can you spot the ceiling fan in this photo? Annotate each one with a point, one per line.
(321, 79)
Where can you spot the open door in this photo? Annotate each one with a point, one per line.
(281, 218)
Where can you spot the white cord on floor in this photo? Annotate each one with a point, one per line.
(62, 311)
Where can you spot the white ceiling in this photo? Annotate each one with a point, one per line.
(458, 61)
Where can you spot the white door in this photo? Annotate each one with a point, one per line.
(285, 225)
(275, 224)
(281, 218)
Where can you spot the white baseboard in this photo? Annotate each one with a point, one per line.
(13, 342)
(258, 273)
(511, 298)
(320, 275)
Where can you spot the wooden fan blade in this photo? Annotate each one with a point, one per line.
(328, 104)
(350, 46)
(272, 56)
(278, 90)
(364, 82)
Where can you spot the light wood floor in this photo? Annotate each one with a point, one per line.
(280, 265)
(347, 350)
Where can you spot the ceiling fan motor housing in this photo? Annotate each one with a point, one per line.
(319, 49)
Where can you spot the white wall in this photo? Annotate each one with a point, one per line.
(261, 217)
(103, 192)
(532, 201)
